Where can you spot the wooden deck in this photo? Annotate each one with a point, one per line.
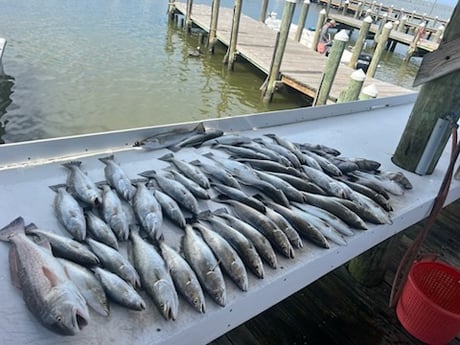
(337, 310)
(301, 68)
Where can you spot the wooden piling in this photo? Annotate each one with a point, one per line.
(351, 93)
(357, 49)
(319, 26)
(368, 92)
(263, 11)
(379, 49)
(213, 25)
(302, 19)
(358, 10)
(286, 20)
(413, 45)
(188, 16)
(333, 61)
(171, 9)
(439, 33)
(379, 30)
(345, 8)
(402, 24)
(328, 8)
(230, 56)
(436, 102)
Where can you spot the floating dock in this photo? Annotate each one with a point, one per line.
(301, 68)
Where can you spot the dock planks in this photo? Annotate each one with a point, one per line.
(301, 68)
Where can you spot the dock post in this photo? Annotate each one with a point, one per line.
(437, 103)
(328, 8)
(171, 9)
(212, 38)
(263, 11)
(413, 44)
(402, 24)
(390, 10)
(439, 33)
(333, 62)
(302, 19)
(379, 50)
(230, 56)
(351, 93)
(368, 92)
(188, 16)
(358, 10)
(345, 7)
(286, 20)
(319, 25)
(383, 21)
(435, 21)
(363, 31)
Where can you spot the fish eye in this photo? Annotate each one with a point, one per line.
(59, 318)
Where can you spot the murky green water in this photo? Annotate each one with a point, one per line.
(89, 66)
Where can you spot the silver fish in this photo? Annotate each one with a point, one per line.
(118, 178)
(300, 183)
(115, 262)
(204, 263)
(114, 213)
(367, 209)
(217, 173)
(288, 190)
(175, 190)
(260, 242)
(244, 247)
(184, 277)
(81, 185)
(285, 227)
(270, 166)
(188, 170)
(274, 156)
(326, 165)
(282, 151)
(370, 193)
(64, 247)
(47, 291)
(148, 211)
(288, 145)
(325, 182)
(229, 139)
(69, 213)
(191, 185)
(89, 286)
(234, 167)
(239, 195)
(319, 148)
(170, 208)
(100, 231)
(228, 258)
(155, 278)
(382, 182)
(197, 139)
(241, 152)
(119, 290)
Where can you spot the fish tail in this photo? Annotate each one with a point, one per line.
(208, 154)
(71, 164)
(196, 162)
(168, 157)
(15, 227)
(203, 215)
(56, 187)
(220, 211)
(147, 173)
(107, 159)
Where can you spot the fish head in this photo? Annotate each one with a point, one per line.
(166, 299)
(67, 312)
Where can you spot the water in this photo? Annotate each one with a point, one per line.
(86, 66)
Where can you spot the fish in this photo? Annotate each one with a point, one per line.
(345, 165)
(191, 185)
(239, 195)
(261, 243)
(274, 156)
(301, 184)
(113, 261)
(288, 190)
(114, 213)
(238, 241)
(197, 140)
(81, 185)
(228, 258)
(333, 220)
(69, 213)
(118, 178)
(48, 292)
(281, 150)
(319, 148)
(398, 177)
(170, 137)
(282, 223)
(326, 166)
(148, 211)
(170, 208)
(327, 183)
(100, 230)
(332, 205)
(189, 170)
(366, 164)
(229, 139)
(89, 286)
(237, 169)
(265, 225)
(175, 190)
(241, 152)
(119, 290)
(155, 277)
(64, 247)
(205, 265)
(367, 209)
(301, 225)
(217, 173)
(270, 166)
(184, 277)
(370, 193)
(381, 182)
(288, 145)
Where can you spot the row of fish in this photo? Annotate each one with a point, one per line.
(273, 195)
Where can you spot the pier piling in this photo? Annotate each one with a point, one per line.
(379, 49)
(357, 49)
(188, 16)
(302, 19)
(213, 25)
(351, 93)
(230, 56)
(263, 11)
(368, 92)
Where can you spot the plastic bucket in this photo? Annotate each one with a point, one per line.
(429, 306)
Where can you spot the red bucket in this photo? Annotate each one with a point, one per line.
(429, 306)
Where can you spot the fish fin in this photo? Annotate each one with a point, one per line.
(148, 174)
(208, 155)
(14, 266)
(221, 210)
(196, 162)
(107, 159)
(216, 265)
(168, 157)
(270, 135)
(203, 215)
(30, 227)
(16, 226)
(174, 148)
(71, 164)
(56, 187)
(200, 128)
(102, 183)
(50, 275)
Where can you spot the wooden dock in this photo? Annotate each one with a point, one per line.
(301, 68)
